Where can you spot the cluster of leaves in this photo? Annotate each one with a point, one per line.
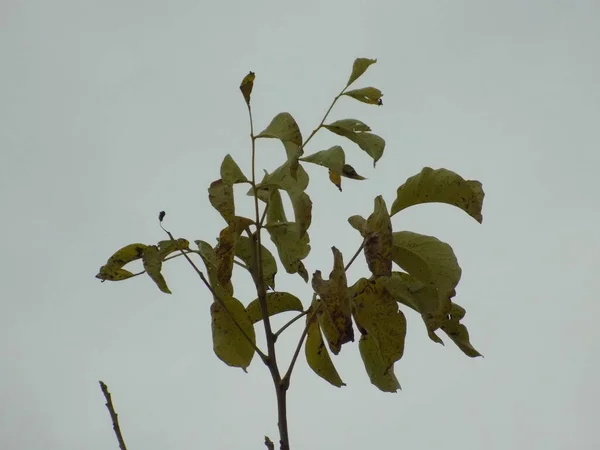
(426, 275)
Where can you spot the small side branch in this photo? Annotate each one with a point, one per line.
(113, 416)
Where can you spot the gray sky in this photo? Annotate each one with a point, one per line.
(111, 111)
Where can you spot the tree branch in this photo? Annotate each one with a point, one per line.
(113, 416)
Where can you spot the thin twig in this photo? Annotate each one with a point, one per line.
(324, 118)
(113, 416)
(218, 298)
(283, 328)
(285, 381)
(355, 255)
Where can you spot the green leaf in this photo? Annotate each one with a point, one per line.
(317, 355)
(291, 247)
(458, 332)
(209, 257)
(333, 158)
(302, 205)
(384, 379)
(243, 250)
(378, 244)
(377, 312)
(231, 172)
(283, 127)
(220, 196)
(428, 259)
(277, 302)
(358, 68)
(275, 211)
(358, 133)
(440, 186)
(153, 265)
(247, 85)
(335, 314)
(369, 95)
(229, 344)
(283, 179)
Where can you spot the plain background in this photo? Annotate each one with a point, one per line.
(111, 111)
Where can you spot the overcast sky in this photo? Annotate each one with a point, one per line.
(111, 111)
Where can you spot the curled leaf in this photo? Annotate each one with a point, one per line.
(247, 85)
(335, 314)
(225, 253)
(359, 224)
(336, 179)
(166, 247)
(441, 186)
(111, 273)
(277, 302)
(379, 239)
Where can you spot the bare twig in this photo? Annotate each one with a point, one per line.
(355, 255)
(113, 416)
(283, 328)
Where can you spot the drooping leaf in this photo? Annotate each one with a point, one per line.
(209, 257)
(458, 332)
(166, 247)
(283, 179)
(383, 378)
(302, 205)
(335, 314)
(333, 158)
(376, 312)
(275, 211)
(369, 95)
(229, 343)
(359, 133)
(111, 273)
(440, 186)
(336, 179)
(277, 302)
(379, 239)
(291, 247)
(316, 353)
(349, 172)
(428, 259)
(406, 289)
(247, 85)
(243, 250)
(220, 196)
(153, 265)
(359, 223)
(358, 68)
(283, 127)
(231, 173)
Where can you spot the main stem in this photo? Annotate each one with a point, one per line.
(271, 360)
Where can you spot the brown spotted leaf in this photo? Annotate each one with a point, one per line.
(379, 240)
(335, 314)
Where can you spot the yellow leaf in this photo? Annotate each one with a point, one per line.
(225, 253)
(336, 179)
(369, 95)
(358, 68)
(231, 172)
(220, 196)
(111, 273)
